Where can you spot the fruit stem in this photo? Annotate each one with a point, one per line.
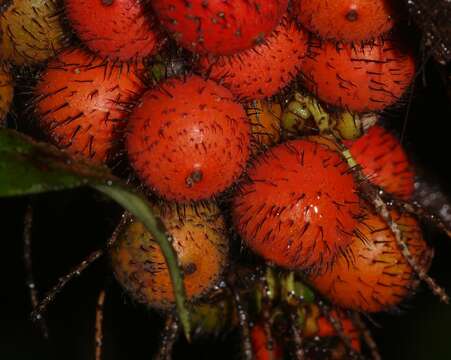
(168, 339)
(243, 319)
(297, 336)
(367, 337)
(372, 193)
(30, 283)
(336, 324)
(99, 324)
(419, 211)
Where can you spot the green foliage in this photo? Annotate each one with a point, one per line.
(28, 167)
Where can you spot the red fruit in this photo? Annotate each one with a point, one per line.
(346, 20)
(119, 29)
(217, 26)
(188, 140)
(299, 207)
(262, 71)
(260, 345)
(384, 161)
(363, 78)
(82, 103)
(326, 329)
(376, 277)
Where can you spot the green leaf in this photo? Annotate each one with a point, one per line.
(29, 167)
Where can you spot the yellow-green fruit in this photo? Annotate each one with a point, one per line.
(213, 318)
(199, 239)
(6, 93)
(31, 31)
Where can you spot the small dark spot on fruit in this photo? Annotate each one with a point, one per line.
(189, 269)
(107, 2)
(194, 178)
(352, 15)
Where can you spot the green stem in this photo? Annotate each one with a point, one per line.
(140, 209)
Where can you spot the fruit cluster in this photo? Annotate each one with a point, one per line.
(259, 116)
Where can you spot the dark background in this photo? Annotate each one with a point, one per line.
(69, 225)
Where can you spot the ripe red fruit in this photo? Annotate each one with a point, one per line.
(219, 27)
(260, 345)
(299, 207)
(82, 103)
(188, 140)
(262, 71)
(361, 78)
(325, 329)
(118, 29)
(346, 20)
(384, 161)
(376, 277)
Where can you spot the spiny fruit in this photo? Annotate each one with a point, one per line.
(219, 27)
(199, 239)
(188, 140)
(376, 277)
(259, 340)
(265, 69)
(82, 102)
(117, 29)
(6, 93)
(358, 78)
(30, 31)
(346, 20)
(384, 161)
(264, 117)
(318, 325)
(299, 206)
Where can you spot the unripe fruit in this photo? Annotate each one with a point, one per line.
(6, 93)
(346, 20)
(299, 206)
(384, 161)
(219, 27)
(264, 117)
(376, 277)
(199, 239)
(30, 31)
(117, 29)
(263, 70)
(361, 78)
(188, 140)
(82, 103)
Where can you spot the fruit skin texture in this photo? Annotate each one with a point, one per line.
(200, 243)
(364, 78)
(377, 277)
(6, 93)
(30, 31)
(259, 341)
(264, 117)
(265, 69)
(217, 26)
(121, 30)
(82, 102)
(384, 162)
(188, 140)
(298, 207)
(346, 20)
